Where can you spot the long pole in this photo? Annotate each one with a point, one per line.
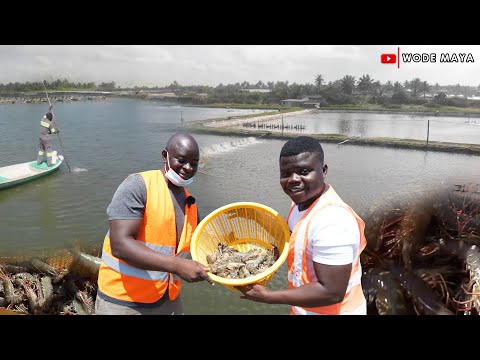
(53, 115)
(428, 130)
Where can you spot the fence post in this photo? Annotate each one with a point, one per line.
(282, 124)
(428, 130)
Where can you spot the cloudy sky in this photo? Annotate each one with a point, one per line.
(160, 65)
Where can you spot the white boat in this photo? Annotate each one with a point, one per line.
(17, 174)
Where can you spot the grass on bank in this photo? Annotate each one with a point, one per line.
(403, 108)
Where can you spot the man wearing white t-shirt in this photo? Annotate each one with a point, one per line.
(324, 271)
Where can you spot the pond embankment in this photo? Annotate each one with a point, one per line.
(229, 126)
(432, 113)
(53, 97)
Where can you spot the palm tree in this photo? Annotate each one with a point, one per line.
(424, 88)
(415, 85)
(365, 84)
(319, 80)
(397, 87)
(347, 83)
(388, 86)
(377, 90)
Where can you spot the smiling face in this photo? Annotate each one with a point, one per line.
(183, 155)
(302, 178)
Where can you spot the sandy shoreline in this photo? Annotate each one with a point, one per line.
(256, 119)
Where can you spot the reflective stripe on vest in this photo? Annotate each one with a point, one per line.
(128, 270)
(298, 273)
(122, 281)
(45, 124)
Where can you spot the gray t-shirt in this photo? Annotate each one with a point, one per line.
(129, 201)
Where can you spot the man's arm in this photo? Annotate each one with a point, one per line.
(334, 242)
(125, 246)
(53, 127)
(330, 289)
(125, 218)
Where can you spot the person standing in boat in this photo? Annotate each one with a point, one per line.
(47, 127)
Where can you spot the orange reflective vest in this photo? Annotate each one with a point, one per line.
(298, 274)
(122, 281)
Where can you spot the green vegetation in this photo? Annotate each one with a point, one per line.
(346, 93)
(403, 108)
(56, 85)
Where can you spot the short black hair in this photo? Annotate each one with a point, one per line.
(175, 138)
(49, 116)
(302, 144)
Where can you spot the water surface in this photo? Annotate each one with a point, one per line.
(365, 124)
(106, 141)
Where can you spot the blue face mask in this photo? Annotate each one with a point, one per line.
(174, 177)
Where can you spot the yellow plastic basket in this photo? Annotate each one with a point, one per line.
(243, 226)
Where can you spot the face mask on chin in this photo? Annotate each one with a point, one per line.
(174, 177)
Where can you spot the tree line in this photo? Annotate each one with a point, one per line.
(346, 91)
(55, 85)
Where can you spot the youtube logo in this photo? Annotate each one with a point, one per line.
(388, 58)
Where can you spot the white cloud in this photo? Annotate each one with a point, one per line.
(227, 64)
